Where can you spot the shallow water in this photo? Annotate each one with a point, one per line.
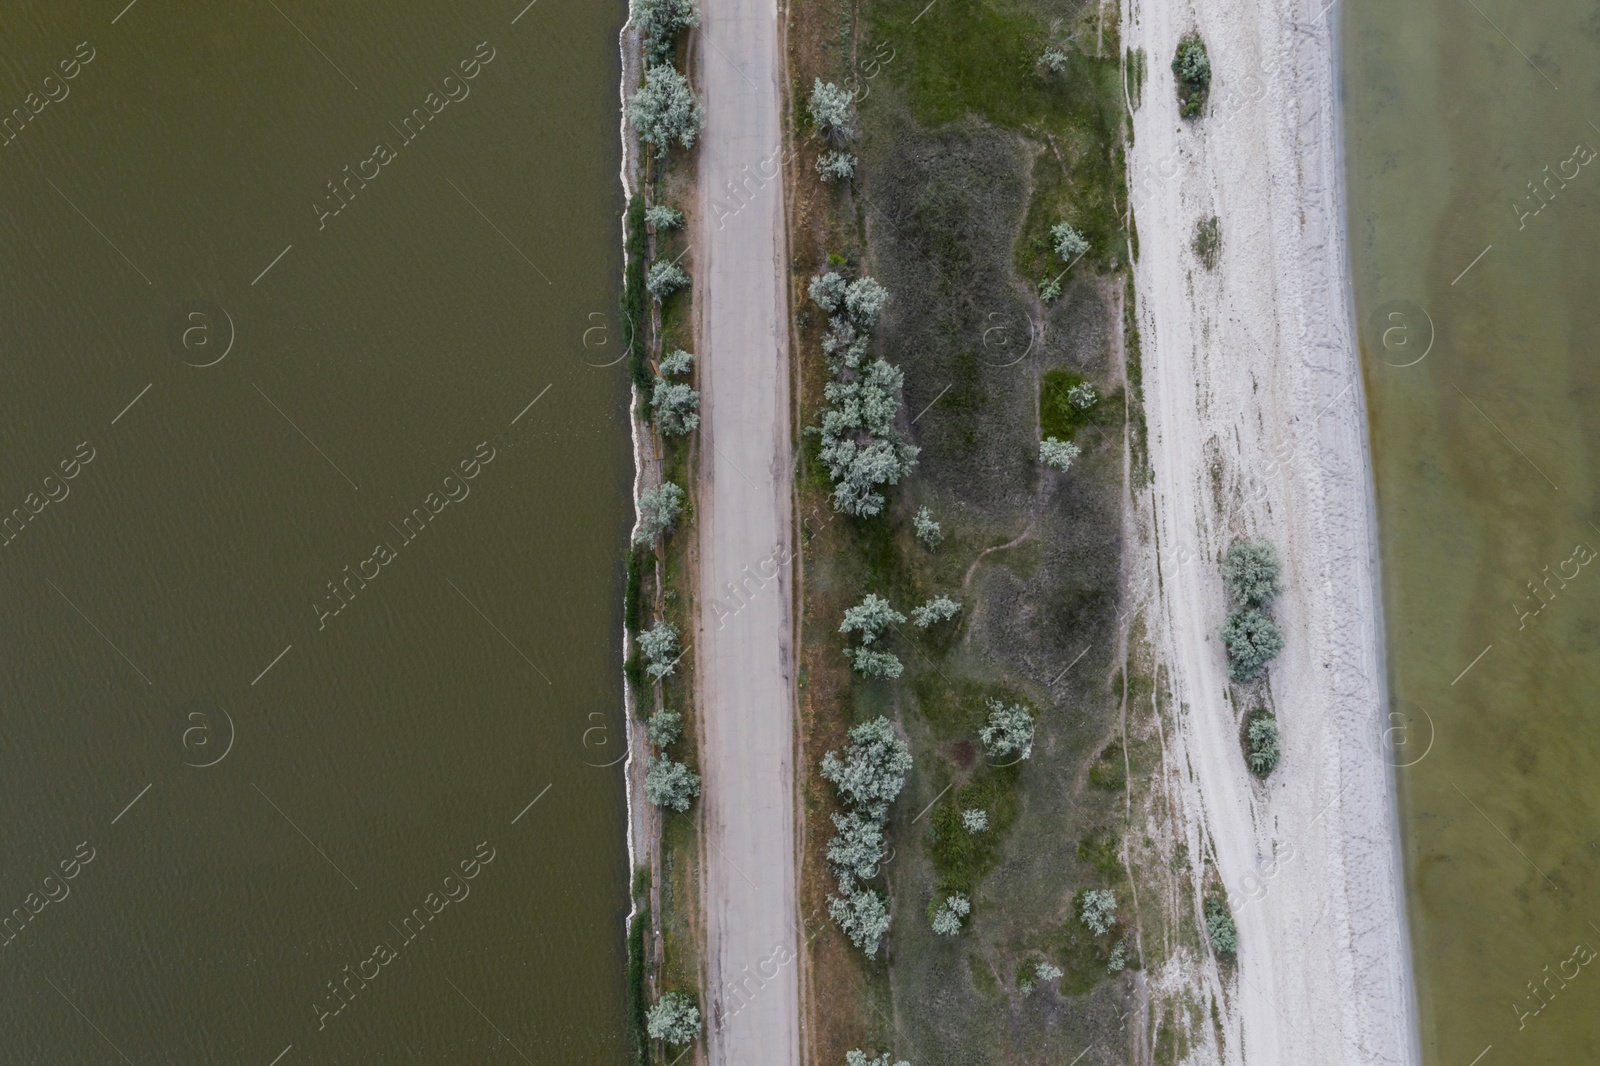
(303, 603)
(1474, 201)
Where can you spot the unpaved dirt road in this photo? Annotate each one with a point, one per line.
(745, 646)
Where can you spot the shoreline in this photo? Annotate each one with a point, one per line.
(1258, 429)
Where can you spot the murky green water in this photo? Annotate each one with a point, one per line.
(1475, 218)
(303, 604)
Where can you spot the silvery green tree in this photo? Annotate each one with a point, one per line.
(1082, 396)
(1252, 573)
(1068, 242)
(660, 21)
(872, 770)
(859, 468)
(856, 851)
(863, 916)
(664, 727)
(1009, 731)
(1057, 454)
(1253, 640)
(975, 821)
(662, 217)
(659, 509)
(676, 361)
(827, 291)
(660, 645)
(1044, 971)
(664, 278)
(864, 300)
(836, 166)
(947, 918)
(833, 110)
(863, 1058)
(870, 618)
(674, 1019)
(675, 407)
(927, 530)
(1098, 910)
(874, 664)
(938, 609)
(670, 784)
(665, 109)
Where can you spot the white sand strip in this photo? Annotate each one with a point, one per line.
(1254, 396)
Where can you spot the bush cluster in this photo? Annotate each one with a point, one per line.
(675, 405)
(927, 530)
(665, 109)
(1261, 743)
(1009, 731)
(1098, 911)
(1192, 68)
(1251, 573)
(659, 509)
(1219, 926)
(948, 916)
(868, 777)
(861, 448)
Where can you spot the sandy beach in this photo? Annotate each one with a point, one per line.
(1257, 429)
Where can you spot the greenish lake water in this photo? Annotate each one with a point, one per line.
(311, 613)
(1474, 200)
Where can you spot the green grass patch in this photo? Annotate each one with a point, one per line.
(1099, 849)
(1060, 418)
(1110, 770)
(960, 857)
(638, 1038)
(635, 299)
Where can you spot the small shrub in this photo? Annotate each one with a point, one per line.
(1192, 68)
(660, 647)
(947, 917)
(863, 301)
(1119, 958)
(662, 217)
(1098, 911)
(1009, 731)
(664, 727)
(1261, 743)
(676, 361)
(938, 609)
(1050, 290)
(1068, 242)
(863, 916)
(665, 109)
(1054, 60)
(1253, 640)
(975, 821)
(659, 509)
(664, 279)
(827, 291)
(860, 1058)
(870, 618)
(659, 22)
(928, 531)
(1058, 454)
(856, 851)
(873, 769)
(836, 166)
(670, 784)
(1207, 243)
(675, 408)
(1219, 926)
(833, 110)
(1044, 972)
(1252, 573)
(876, 665)
(674, 1019)
(1082, 396)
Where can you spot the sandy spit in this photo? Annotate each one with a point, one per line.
(1257, 429)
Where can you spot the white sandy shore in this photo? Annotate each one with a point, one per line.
(1253, 394)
